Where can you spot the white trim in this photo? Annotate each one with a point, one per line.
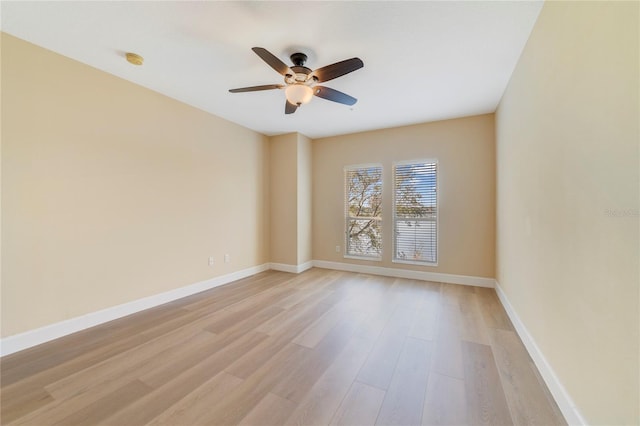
(362, 166)
(416, 262)
(563, 399)
(407, 273)
(18, 342)
(416, 161)
(294, 269)
(367, 258)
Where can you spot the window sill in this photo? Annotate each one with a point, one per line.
(415, 262)
(372, 259)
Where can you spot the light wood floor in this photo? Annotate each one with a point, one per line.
(322, 347)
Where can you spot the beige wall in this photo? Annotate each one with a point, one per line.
(465, 152)
(283, 154)
(290, 191)
(305, 213)
(112, 192)
(567, 201)
(0, 184)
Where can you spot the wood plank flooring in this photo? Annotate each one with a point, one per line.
(319, 348)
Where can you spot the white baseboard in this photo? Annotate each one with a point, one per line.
(294, 269)
(407, 273)
(31, 338)
(25, 340)
(563, 399)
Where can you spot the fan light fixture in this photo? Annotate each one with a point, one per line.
(298, 94)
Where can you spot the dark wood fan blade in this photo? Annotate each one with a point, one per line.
(272, 60)
(256, 88)
(338, 69)
(289, 108)
(333, 95)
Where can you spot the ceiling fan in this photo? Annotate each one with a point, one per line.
(301, 82)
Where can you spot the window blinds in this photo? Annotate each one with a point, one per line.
(415, 212)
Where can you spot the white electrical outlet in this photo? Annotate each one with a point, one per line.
(227, 258)
(211, 261)
(337, 249)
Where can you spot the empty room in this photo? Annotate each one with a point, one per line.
(320, 213)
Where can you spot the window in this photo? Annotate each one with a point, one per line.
(415, 211)
(363, 209)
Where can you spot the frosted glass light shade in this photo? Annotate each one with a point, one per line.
(298, 94)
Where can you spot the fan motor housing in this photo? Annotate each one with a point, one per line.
(300, 71)
(298, 59)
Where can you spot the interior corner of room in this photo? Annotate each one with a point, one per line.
(116, 198)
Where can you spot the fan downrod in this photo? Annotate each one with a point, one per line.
(298, 59)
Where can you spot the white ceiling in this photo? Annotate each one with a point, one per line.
(423, 61)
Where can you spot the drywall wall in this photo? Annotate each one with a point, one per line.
(305, 213)
(465, 152)
(290, 180)
(568, 200)
(0, 183)
(112, 192)
(283, 155)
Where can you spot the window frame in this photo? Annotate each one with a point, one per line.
(347, 217)
(394, 259)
